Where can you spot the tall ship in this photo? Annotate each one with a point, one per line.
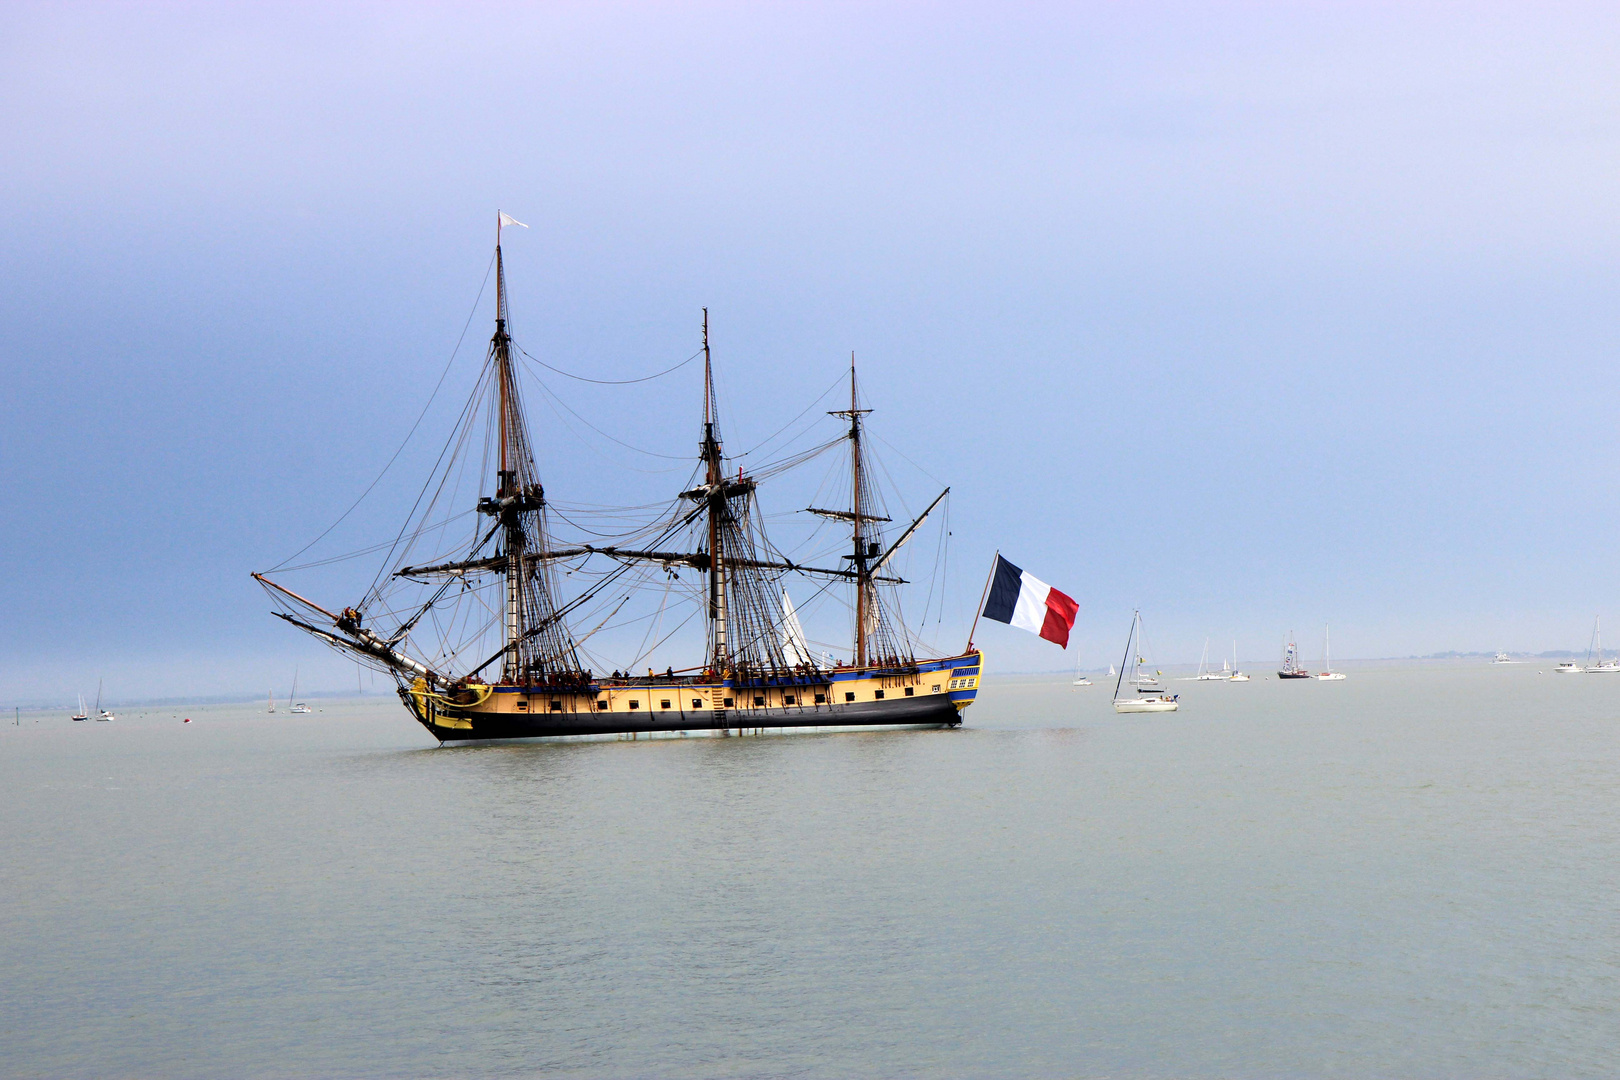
(481, 617)
(1291, 667)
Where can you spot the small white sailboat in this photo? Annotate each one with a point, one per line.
(1148, 697)
(297, 706)
(1328, 675)
(1236, 676)
(1503, 658)
(101, 714)
(82, 714)
(1209, 674)
(1600, 668)
(272, 701)
(1079, 679)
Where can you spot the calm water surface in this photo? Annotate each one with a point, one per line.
(1415, 872)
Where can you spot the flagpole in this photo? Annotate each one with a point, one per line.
(980, 609)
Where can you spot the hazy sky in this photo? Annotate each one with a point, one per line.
(1256, 316)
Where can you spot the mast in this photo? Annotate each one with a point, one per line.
(1126, 659)
(535, 641)
(718, 659)
(864, 551)
(504, 476)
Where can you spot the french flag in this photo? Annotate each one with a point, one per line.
(1029, 603)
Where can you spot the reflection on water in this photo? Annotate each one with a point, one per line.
(1412, 872)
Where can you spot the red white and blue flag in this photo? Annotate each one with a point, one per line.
(1025, 601)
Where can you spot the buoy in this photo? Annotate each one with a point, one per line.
(187, 720)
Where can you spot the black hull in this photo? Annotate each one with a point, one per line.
(935, 710)
(1295, 675)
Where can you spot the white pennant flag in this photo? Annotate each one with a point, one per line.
(508, 219)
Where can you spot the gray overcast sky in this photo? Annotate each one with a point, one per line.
(1257, 316)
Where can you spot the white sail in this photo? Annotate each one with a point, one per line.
(794, 647)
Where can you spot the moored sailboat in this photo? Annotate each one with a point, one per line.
(1237, 675)
(101, 714)
(1601, 667)
(520, 673)
(1328, 674)
(1146, 696)
(294, 706)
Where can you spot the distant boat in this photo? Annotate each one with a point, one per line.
(1503, 658)
(101, 714)
(1328, 674)
(1600, 668)
(1291, 667)
(81, 714)
(1149, 697)
(1569, 667)
(1079, 679)
(1209, 674)
(272, 701)
(297, 706)
(1236, 676)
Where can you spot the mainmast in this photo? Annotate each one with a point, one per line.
(717, 507)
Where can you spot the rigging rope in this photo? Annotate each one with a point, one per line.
(610, 382)
(436, 387)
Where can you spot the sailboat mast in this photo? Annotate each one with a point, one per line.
(1127, 657)
(718, 659)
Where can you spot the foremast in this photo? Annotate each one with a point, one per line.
(537, 644)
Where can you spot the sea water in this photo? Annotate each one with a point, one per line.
(1415, 872)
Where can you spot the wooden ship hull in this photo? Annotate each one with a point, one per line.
(931, 694)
